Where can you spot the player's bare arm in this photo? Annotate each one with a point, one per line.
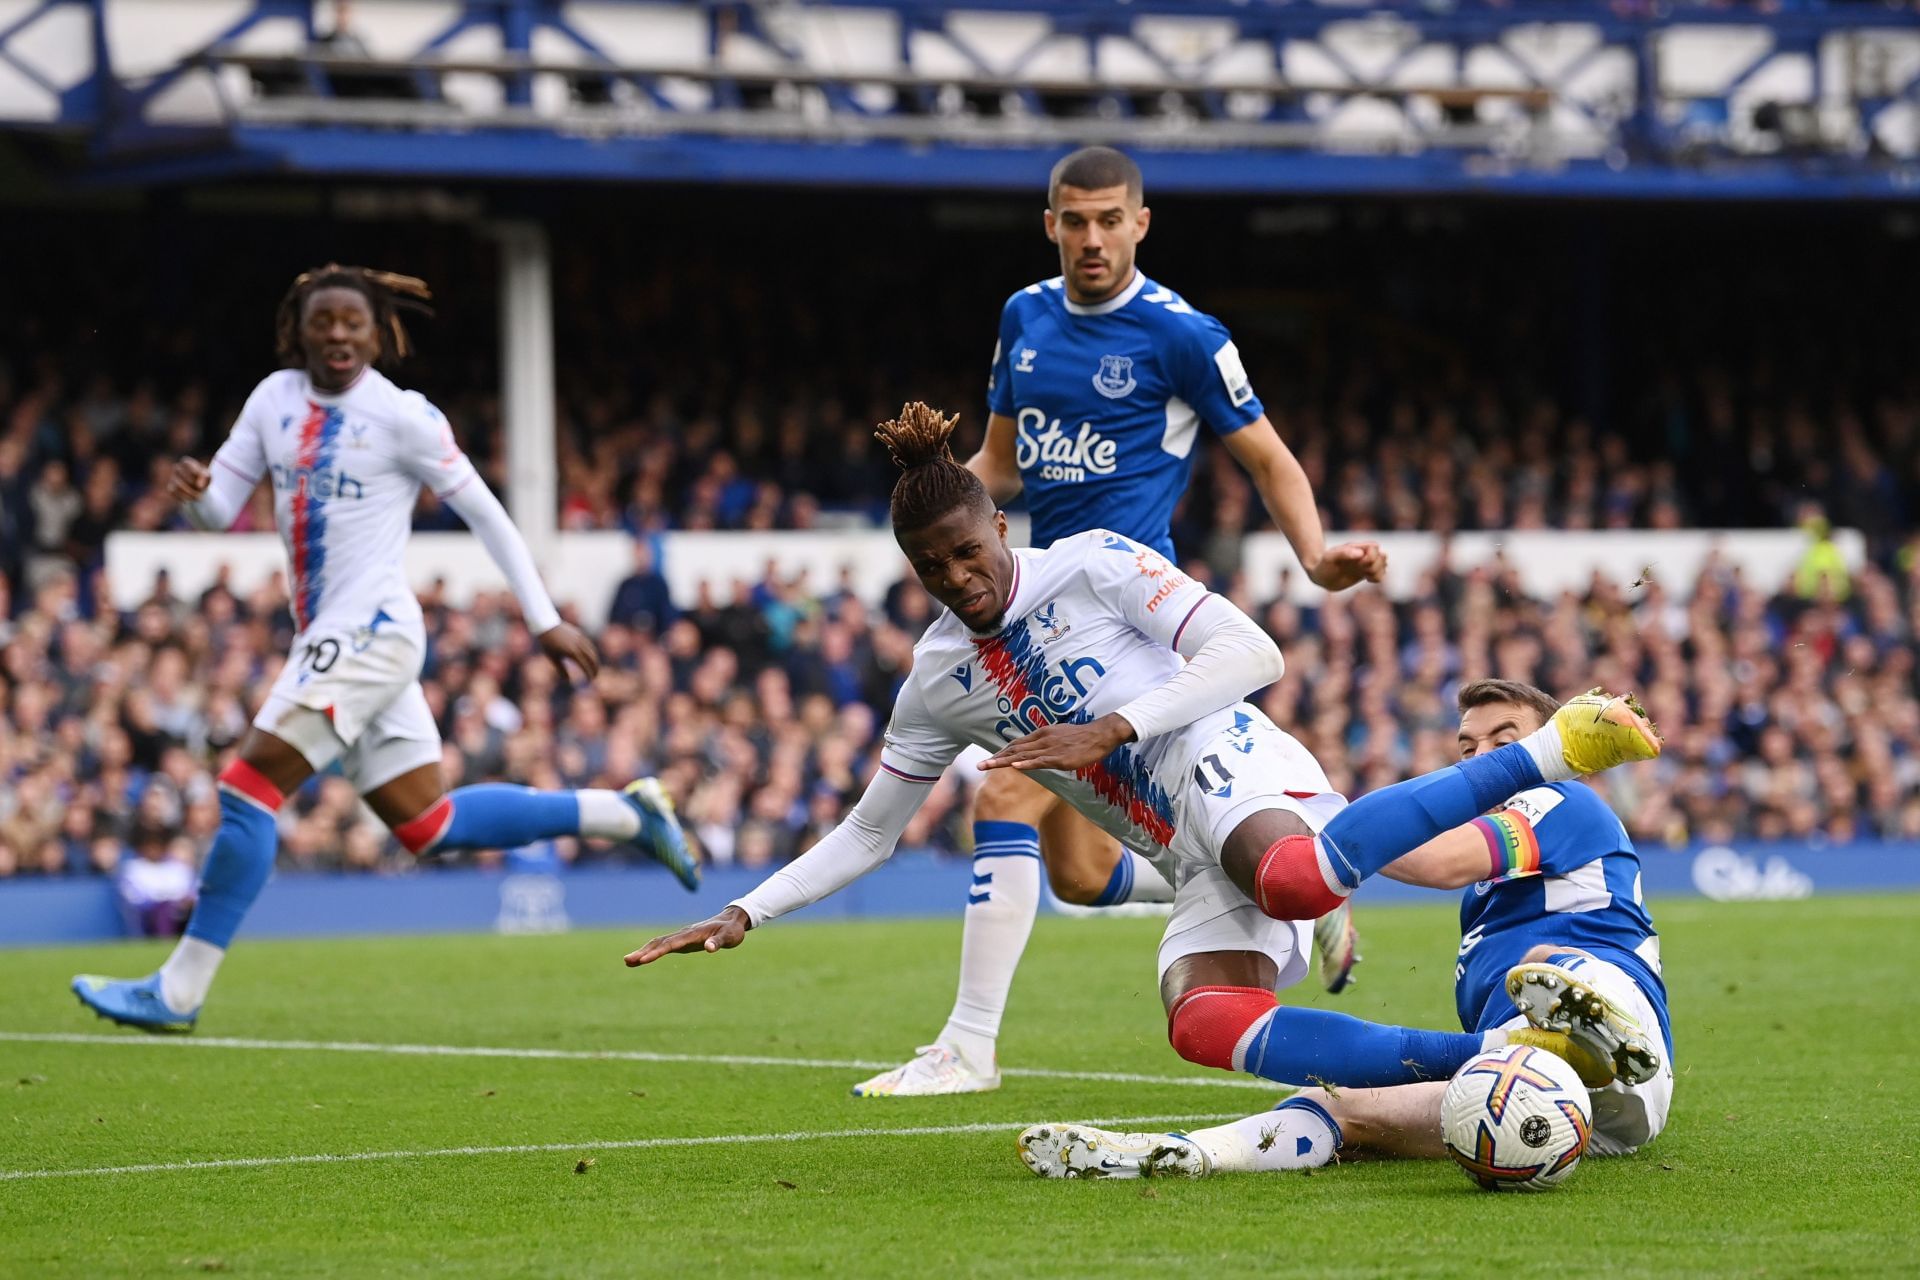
(1452, 860)
(996, 462)
(866, 838)
(189, 480)
(565, 643)
(1063, 746)
(1288, 496)
(1457, 858)
(721, 932)
(562, 642)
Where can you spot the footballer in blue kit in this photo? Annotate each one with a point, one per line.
(1552, 899)
(1107, 401)
(1574, 881)
(1101, 382)
(1554, 933)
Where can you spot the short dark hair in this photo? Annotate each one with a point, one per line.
(1479, 693)
(1095, 169)
(932, 483)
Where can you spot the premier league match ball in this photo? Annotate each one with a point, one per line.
(1516, 1119)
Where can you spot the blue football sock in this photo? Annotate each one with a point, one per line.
(1315, 1046)
(1134, 879)
(1394, 821)
(237, 869)
(498, 815)
(1119, 885)
(998, 840)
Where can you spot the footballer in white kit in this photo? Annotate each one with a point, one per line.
(345, 471)
(1093, 625)
(1101, 384)
(347, 453)
(1116, 682)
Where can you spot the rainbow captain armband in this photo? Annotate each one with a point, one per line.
(1512, 848)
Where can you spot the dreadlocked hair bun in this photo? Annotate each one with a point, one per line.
(931, 483)
(918, 437)
(388, 293)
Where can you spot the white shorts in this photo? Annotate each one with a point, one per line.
(1625, 1117)
(1243, 770)
(355, 698)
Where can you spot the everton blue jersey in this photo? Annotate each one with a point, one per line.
(1573, 878)
(1107, 400)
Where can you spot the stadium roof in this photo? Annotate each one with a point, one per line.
(1531, 99)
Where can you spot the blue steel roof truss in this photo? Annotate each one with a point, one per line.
(996, 126)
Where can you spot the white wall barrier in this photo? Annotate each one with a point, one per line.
(586, 567)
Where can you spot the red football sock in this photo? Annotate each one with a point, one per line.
(1288, 884)
(1205, 1024)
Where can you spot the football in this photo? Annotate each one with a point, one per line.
(1516, 1119)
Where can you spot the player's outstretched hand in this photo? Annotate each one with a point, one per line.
(189, 480)
(721, 932)
(564, 643)
(1063, 746)
(1349, 564)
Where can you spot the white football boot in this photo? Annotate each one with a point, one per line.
(1555, 998)
(1081, 1151)
(1336, 943)
(935, 1070)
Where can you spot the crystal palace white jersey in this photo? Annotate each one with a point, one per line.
(1094, 622)
(346, 470)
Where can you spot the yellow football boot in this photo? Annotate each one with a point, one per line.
(1599, 731)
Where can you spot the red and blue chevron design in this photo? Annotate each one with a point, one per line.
(318, 436)
(1018, 668)
(1123, 781)
(1032, 698)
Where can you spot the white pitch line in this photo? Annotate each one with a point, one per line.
(598, 1055)
(533, 1148)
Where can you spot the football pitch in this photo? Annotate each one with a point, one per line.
(491, 1106)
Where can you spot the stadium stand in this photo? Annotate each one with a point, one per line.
(711, 392)
(708, 390)
(1793, 715)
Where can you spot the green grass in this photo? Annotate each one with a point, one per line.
(1791, 1149)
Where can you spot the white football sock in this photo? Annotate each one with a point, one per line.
(1284, 1138)
(1148, 884)
(606, 815)
(187, 975)
(1549, 753)
(999, 920)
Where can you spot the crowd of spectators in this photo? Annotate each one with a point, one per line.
(1788, 715)
(714, 389)
(722, 388)
(1421, 461)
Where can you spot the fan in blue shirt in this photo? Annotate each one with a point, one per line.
(1102, 381)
